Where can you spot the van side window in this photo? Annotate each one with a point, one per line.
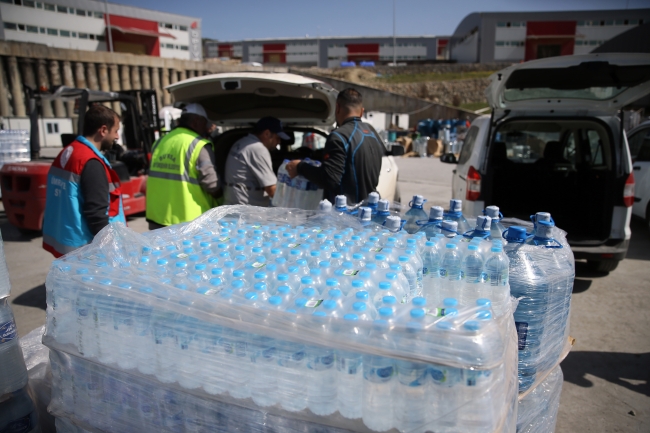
(468, 145)
(596, 147)
(570, 149)
(637, 140)
(644, 151)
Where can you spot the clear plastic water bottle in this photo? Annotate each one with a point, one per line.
(450, 272)
(482, 229)
(416, 260)
(292, 393)
(496, 228)
(497, 267)
(416, 213)
(378, 377)
(365, 215)
(473, 277)
(455, 213)
(432, 227)
(349, 371)
(14, 372)
(321, 386)
(446, 381)
(431, 272)
(383, 212)
(410, 271)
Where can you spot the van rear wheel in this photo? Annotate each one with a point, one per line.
(603, 265)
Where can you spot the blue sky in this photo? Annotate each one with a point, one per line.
(252, 19)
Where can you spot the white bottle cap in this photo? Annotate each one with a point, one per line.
(455, 205)
(483, 222)
(325, 206)
(341, 201)
(393, 223)
(542, 216)
(365, 213)
(450, 225)
(373, 198)
(383, 205)
(436, 212)
(418, 200)
(492, 212)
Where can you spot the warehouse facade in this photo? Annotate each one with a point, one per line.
(521, 36)
(92, 25)
(330, 51)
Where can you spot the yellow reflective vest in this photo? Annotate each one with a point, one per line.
(174, 194)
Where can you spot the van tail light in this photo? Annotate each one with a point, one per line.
(473, 190)
(628, 191)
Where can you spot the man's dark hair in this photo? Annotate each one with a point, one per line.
(98, 116)
(350, 98)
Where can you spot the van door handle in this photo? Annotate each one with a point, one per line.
(454, 171)
(636, 168)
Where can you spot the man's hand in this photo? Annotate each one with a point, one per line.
(292, 168)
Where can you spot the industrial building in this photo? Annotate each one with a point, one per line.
(487, 37)
(93, 25)
(330, 51)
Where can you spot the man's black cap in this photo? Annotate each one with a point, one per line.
(272, 124)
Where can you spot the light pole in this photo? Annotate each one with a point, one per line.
(394, 38)
(108, 27)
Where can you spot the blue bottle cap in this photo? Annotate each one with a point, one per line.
(516, 233)
(357, 284)
(283, 277)
(251, 296)
(225, 294)
(384, 285)
(403, 259)
(496, 249)
(300, 302)
(229, 264)
(386, 312)
(472, 247)
(301, 262)
(359, 306)
(451, 312)
(237, 284)
(200, 266)
(483, 315)
(284, 290)
(332, 282)
(216, 281)
(159, 262)
(187, 242)
(306, 280)
(324, 264)
(329, 304)
(181, 264)
(450, 302)
(483, 302)
(446, 326)
(315, 271)
(389, 300)
(309, 291)
(362, 294)
(351, 316)
(260, 287)
(450, 246)
(238, 273)
(293, 269)
(417, 313)
(419, 301)
(275, 300)
(472, 325)
(259, 275)
(315, 253)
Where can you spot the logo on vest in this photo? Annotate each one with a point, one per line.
(166, 162)
(65, 156)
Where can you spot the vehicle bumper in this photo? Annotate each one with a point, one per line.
(602, 252)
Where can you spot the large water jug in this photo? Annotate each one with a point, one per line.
(455, 213)
(496, 228)
(415, 214)
(13, 374)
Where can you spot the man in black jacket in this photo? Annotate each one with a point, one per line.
(353, 152)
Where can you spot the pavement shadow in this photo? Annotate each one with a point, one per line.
(640, 241)
(33, 298)
(11, 233)
(629, 370)
(581, 285)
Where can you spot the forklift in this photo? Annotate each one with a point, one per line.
(24, 184)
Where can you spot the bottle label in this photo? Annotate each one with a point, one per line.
(522, 333)
(183, 256)
(350, 272)
(350, 366)
(257, 227)
(376, 249)
(224, 239)
(316, 230)
(313, 303)
(293, 245)
(436, 312)
(379, 375)
(443, 273)
(8, 331)
(425, 271)
(258, 265)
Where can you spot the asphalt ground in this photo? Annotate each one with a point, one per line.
(606, 375)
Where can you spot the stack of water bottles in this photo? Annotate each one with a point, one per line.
(287, 319)
(17, 411)
(298, 192)
(537, 411)
(14, 146)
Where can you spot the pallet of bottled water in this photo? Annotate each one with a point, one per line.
(281, 314)
(5, 284)
(14, 146)
(298, 192)
(537, 410)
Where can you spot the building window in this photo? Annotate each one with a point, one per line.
(29, 3)
(53, 32)
(48, 7)
(170, 46)
(182, 28)
(100, 38)
(81, 12)
(9, 2)
(32, 29)
(83, 35)
(185, 48)
(21, 27)
(175, 27)
(99, 15)
(64, 33)
(11, 26)
(62, 9)
(168, 26)
(500, 43)
(52, 128)
(39, 5)
(620, 22)
(74, 34)
(501, 24)
(578, 43)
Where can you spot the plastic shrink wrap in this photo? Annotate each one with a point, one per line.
(151, 348)
(5, 285)
(537, 411)
(541, 278)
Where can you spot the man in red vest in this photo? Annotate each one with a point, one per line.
(83, 191)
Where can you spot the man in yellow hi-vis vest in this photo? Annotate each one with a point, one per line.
(182, 181)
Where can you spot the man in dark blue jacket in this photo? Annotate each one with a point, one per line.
(353, 152)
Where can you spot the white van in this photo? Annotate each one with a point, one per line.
(554, 143)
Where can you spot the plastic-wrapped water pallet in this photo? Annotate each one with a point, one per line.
(5, 284)
(542, 280)
(537, 411)
(110, 321)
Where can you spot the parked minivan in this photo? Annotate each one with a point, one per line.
(554, 143)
